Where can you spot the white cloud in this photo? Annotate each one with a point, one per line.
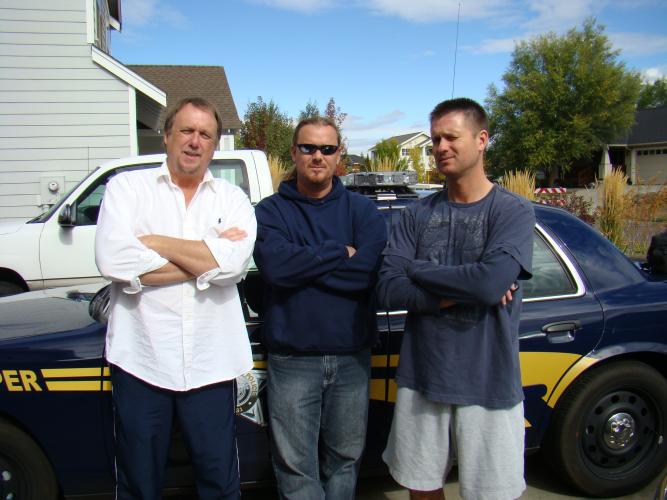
(362, 135)
(560, 15)
(639, 43)
(355, 123)
(174, 18)
(139, 12)
(435, 10)
(144, 12)
(650, 75)
(493, 46)
(297, 5)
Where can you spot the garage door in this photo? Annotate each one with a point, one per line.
(652, 166)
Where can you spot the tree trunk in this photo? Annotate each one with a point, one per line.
(552, 175)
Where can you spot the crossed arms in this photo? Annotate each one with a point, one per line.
(421, 286)
(123, 254)
(187, 258)
(329, 264)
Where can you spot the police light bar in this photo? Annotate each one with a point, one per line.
(380, 179)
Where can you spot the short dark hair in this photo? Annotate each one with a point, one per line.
(197, 102)
(322, 121)
(472, 110)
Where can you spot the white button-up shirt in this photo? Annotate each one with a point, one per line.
(185, 335)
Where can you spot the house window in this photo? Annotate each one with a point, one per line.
(404, 152)
(101, 13)
(429, 151)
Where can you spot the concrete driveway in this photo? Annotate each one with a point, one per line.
(542, 485)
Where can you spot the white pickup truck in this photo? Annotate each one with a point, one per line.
(57, 247)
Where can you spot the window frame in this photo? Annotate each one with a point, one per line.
(566, 264)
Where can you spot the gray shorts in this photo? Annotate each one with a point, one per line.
(488, 445)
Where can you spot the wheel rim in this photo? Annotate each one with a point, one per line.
(621, 431)
(10, 488)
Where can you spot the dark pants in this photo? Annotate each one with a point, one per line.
(143, 418)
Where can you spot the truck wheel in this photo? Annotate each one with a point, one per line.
(25, 473)
(10, 288)
(606, 435)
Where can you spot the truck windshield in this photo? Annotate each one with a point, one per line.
(43, 217)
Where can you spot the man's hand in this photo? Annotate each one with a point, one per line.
(350, 250)
(233, 234)
(507, 298)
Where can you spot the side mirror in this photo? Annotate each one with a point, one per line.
(67, 216)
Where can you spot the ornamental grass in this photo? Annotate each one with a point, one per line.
(613, 203)
(520, 182)
(279, 170)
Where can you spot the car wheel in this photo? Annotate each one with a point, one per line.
(10, 288)
(607, 433)
(25, 473)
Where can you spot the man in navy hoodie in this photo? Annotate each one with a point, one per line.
(318, 249)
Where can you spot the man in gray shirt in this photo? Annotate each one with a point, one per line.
(453, 261)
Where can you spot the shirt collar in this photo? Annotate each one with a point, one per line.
(208, 180)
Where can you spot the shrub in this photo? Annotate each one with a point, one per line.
(576, 204)
(644, 217)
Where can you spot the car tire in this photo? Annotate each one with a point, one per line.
(10, 288)
(25, 473)
(606, 436)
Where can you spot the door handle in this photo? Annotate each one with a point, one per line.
(561, 332)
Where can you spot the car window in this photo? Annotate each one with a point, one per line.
(88, 204)
(233, 171)
(550, 277)
(88, 208)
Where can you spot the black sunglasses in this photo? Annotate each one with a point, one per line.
(309, 149)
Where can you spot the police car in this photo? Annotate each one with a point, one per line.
(593, 339)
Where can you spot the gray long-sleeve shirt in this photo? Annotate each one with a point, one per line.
(467, 354)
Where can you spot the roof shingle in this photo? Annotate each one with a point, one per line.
(650, 127)
(209, 82)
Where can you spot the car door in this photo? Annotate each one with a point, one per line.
(561, 321)
(67, 253)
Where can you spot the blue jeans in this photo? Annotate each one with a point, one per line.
(318, 409)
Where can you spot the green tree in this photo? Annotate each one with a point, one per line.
(653, 94)
(387, 149)
(563, 98)
(330, 111)
(310, 111)
(415, 155)
(387, 157)
(334, 113)
(266, 128)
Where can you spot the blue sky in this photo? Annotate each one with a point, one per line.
(386, 62)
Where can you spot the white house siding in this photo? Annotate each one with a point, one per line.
(61, 114)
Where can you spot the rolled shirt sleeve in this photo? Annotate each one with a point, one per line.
(119, 254)
(232, 257)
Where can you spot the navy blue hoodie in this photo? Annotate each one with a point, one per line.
(318, 300)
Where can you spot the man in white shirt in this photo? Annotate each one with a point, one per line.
(175, 242)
